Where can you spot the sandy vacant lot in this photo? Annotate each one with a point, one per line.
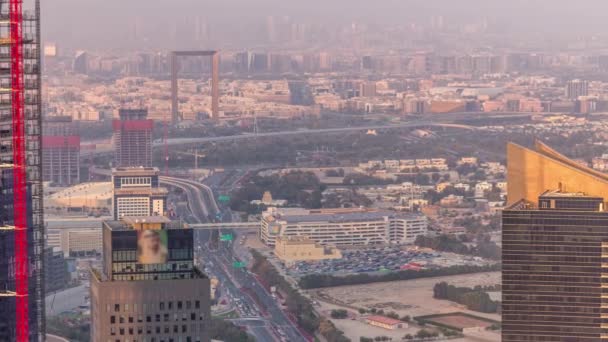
(408, 297)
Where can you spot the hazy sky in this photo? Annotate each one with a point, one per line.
(104, 22)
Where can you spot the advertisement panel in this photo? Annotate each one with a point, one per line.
(152, 246)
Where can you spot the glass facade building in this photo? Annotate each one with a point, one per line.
(555, 250)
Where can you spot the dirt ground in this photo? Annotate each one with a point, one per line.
(408, 297)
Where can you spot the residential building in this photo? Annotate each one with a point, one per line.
(576, 88)
(137, 192)
(60, 151)
(56, 270)
(341, 227)
(133, 138)
(149, 288)
(554, 244)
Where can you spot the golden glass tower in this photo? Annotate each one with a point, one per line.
(555, 249)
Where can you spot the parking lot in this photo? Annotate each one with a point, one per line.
(378, 260)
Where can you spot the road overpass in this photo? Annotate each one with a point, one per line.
(191, 141)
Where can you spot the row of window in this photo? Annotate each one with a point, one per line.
(124, 267)
(157, 317)
(153, 276)
(174, 254)
(154, 339)
(160, 306)
(138, 181)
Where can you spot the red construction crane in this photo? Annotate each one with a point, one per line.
(19, 172)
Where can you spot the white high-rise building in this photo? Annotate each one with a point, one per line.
(137, 192)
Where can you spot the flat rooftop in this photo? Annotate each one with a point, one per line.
(360, 216)
(128, 222)
(141, 191)
(135, 171)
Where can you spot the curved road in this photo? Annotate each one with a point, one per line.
(202, 205)
(186, 141)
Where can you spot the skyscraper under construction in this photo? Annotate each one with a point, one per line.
(21, 226)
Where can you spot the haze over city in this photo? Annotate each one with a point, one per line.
(299, 171)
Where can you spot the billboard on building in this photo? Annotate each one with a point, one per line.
(152, 246)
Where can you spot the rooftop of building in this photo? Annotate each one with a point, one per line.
(93, 190)
(383, 320)
(141, 191)
(295, 240)
(336, 216)
(135, 171)
(562, 194)
(532, 173)
(130, 222)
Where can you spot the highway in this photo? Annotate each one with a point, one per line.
(238, 284)
(187, 141)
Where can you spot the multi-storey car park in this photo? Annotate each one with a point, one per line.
(342, 227)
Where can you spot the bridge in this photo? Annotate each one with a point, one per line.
(190, 141)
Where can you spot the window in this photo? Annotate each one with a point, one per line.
(197, 304)
(122, 319)
(162, 305)
(112, 319)
(170, 304)
(179, 305)
(148, 318)
(116, 307)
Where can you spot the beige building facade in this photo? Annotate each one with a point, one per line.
(299, 248)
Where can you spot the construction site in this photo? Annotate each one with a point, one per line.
(21, 226)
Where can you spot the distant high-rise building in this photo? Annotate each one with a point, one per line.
(555, 244)
(241, 62)
(133, 138)
(367, 89)
(137, 192)
(60, 151)
(576, 88)
(22, 308)
(149, 288)
(271, 29)
(81, 62)
(259, 62)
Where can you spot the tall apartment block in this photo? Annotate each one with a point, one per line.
(137, 192)
(555, 249)
(60, 151)
(149, 289)
(576, 88)
(21, 226)
(133, 138)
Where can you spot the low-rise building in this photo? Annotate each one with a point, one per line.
(342, 227)
(300, 248)
(385, 322)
